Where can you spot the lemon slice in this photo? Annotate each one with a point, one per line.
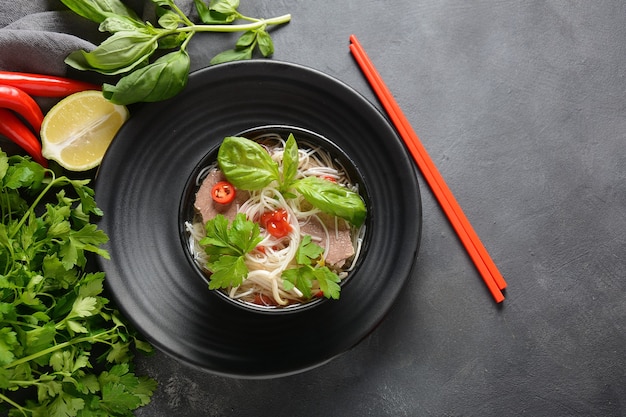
(77, 131)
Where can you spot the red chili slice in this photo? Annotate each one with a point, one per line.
(223, 192)
(276, 222)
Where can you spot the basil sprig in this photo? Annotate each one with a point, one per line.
(131, 48)
(248, 166)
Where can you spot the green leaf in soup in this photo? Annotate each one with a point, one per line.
(162, 79)
(332, 198)
(120, 53)
(246, 164)
(98, 10)
(290, 161)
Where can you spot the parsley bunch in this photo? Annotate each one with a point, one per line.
(64, 351)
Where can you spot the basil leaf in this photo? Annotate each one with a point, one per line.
(332, 198)
(121, 52)
(246, 164)
(173, 40)
(99, 10)
(246, 39)
(290, 162)
(114, 24)
(162, 79)
(266, 45)
(211, 17)
(163, 3)
(170, 20)
(227, 7)
(232, 55)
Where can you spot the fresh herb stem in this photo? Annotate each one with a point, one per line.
(181, 14)
(256, 24)
(13, 404)
(130, 50)
(95, 338)
(52, 308)
(35, 203)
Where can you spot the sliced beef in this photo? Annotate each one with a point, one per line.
(340, 242)
(208, 208)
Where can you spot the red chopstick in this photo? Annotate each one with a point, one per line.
(483, 262)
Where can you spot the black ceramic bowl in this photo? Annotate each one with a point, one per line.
(141, 185)
(305, 138)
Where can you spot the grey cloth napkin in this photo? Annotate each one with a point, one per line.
(37, 35)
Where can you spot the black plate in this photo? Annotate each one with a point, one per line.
(141, 182)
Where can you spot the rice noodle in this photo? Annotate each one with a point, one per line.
(264, 284)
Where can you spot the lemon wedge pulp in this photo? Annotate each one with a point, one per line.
(77, 131)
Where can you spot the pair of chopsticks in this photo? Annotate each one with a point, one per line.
(474, 247)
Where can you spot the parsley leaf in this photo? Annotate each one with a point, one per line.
(226, 248)
(308, 251)
(52, 310)
(304, 276)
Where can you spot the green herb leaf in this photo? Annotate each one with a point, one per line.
(246, 39)
(308, 251)
(302, 278)
(161, 80)
(266, 45)
(170, 20)
(227, 7)
(290, 162)
(232, 55)
(99, 10)
(133, 42)
(212, 17)
(227, 271)
(332, 198)
(52, 311)
(120, 53)
(117, 23)
(328, 282)
(246, 164)
(226, 248)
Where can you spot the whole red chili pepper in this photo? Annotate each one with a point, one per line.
(45, 85)
(20, 102)
(15, 130)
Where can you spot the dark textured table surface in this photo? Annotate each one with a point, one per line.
(522, 106)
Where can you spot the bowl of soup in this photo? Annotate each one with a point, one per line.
(262, 222)
(275, 219)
